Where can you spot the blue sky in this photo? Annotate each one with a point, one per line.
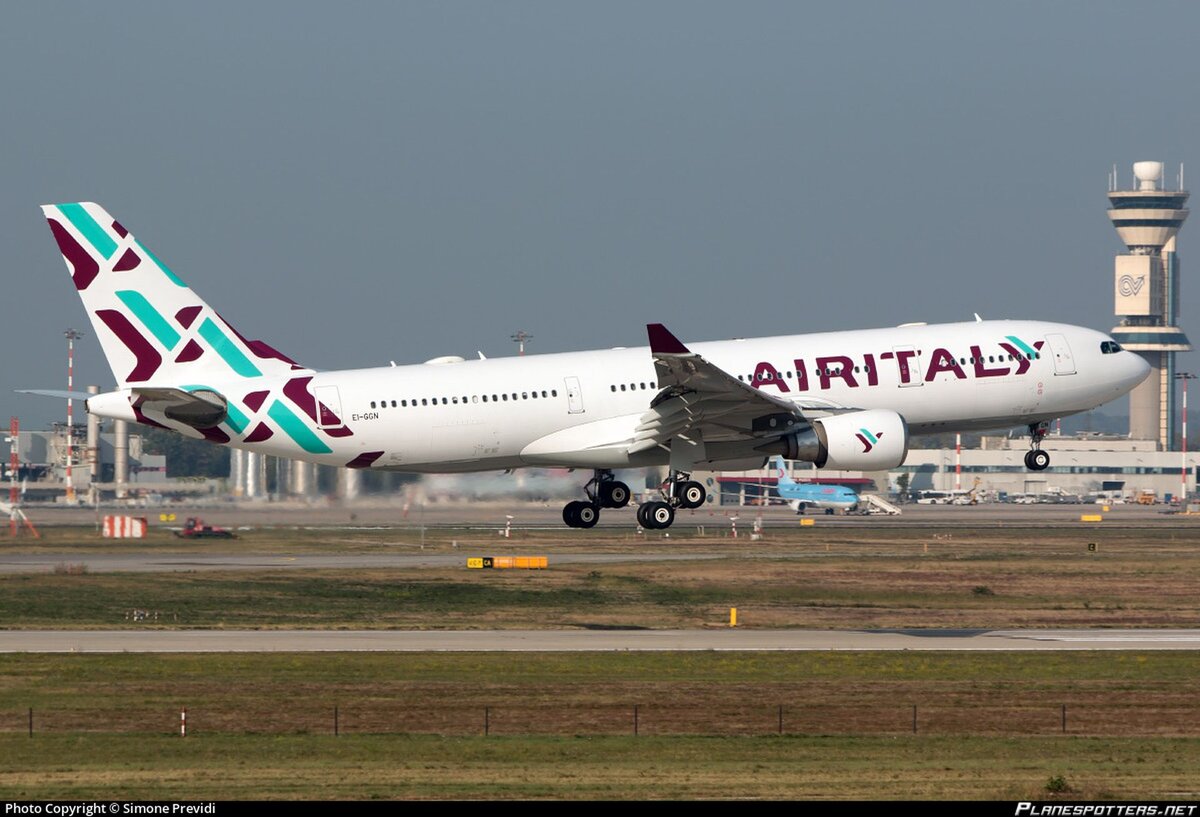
(363, 182)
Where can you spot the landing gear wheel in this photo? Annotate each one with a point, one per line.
(641, 515)
(614, 494)
(587, 515)
(657, 515)
(1037, 460)
(692, 495)
(570, 514)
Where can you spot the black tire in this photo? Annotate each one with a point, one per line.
(660, 515)
(641, 516)
(587, 515)
(571, 514)
(692, 495)
(1037, 460)
(614, 494)
(829, 511)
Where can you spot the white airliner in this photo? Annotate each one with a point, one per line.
(846, 400)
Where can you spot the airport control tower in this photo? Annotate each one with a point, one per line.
(1147, 294)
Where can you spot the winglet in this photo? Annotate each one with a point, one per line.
(662, 341)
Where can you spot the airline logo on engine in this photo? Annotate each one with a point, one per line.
(1015, 357)
(868, 439)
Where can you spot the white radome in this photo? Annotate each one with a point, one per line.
(1148, 173)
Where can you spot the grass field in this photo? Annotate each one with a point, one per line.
(105, 767)
(411, 726)
(835, 577)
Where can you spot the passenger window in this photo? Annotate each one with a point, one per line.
(372, 404)
(554, 392)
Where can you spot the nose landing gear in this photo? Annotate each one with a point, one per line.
(1036, 459)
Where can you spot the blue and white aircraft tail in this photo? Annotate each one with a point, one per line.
(807, 495)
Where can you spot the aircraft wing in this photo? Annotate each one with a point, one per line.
(699, 398)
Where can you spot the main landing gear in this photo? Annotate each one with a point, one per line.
(603, 491)
(1036, 459)
(679, 491)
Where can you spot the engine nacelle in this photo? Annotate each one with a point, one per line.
(872, 440)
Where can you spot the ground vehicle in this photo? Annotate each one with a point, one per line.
(195, 528)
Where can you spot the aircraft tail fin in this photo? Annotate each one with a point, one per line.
(152, 327)
(778, 465)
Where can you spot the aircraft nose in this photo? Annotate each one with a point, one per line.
(1138, 369)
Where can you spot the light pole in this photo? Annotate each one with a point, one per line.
(71, 336)
(519, 338)
(1183, 491)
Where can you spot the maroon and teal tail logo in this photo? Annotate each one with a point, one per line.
(868, 439)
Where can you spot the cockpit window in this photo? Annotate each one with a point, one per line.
(1109, 347)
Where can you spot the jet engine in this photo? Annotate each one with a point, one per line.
(872, 440)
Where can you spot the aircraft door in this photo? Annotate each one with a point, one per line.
(909, 365)
(574, 395)
(329, 407)
(1064, 363)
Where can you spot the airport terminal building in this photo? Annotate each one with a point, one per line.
(1081, 465)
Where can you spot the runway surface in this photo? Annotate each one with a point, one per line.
(156, 641)
(152, 563)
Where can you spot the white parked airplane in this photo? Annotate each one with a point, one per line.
(847, 400)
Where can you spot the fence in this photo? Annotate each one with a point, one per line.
(387, 716)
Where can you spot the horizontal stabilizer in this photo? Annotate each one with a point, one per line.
(61, 395)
